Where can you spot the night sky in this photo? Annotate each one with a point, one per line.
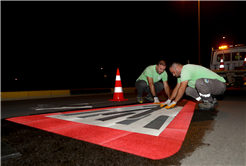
(64, 45)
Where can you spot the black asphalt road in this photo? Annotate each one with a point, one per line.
(32, 146)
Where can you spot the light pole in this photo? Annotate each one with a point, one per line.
(199, 39)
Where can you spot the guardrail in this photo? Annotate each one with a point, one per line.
(20, 95)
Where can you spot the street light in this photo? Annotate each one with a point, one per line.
(199, 37)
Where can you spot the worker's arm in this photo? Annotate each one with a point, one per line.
(152, 90)
(175, 91)
(167, 88)
(151, 86)
(181, 91)
(174, 94)
(179, 95)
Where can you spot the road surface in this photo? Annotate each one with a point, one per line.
(214, 137)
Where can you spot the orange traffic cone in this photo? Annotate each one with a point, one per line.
(222, 66)
(118, 92)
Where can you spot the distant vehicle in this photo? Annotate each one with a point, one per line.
(234, 58)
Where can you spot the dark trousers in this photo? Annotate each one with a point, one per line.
(142, 86)
(206, 88)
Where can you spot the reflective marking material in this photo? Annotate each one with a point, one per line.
(87, 116)
(150, 120)
(221, 66)
(198, 98)
(117, 78)
(79, 113)
(120, 112)
(160, 140)
(114, 117)
(141, 114)
(118, 89)
(157, 122)
(62, 107)
(129, 121)
(205, 95)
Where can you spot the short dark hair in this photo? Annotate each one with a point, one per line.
(161, 62)
(174, 64)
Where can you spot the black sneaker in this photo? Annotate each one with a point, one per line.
(215, 103)
(140, 100)
(150, 99)
(206, 106)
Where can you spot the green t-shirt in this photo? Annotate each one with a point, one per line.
(194, 72)
(150, 71)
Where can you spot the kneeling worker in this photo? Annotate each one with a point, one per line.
(148, 82)
(202, 83)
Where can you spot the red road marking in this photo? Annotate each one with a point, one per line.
(154, 147)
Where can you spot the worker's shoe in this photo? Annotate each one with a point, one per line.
(206, 106)
(140, 100)
(215, 103)
(149, 98)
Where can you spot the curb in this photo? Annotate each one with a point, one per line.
(20, 95)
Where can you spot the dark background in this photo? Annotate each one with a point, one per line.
(64, 45)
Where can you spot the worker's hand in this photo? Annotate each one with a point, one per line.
(166, 103)
(156, 101)
(171, 105)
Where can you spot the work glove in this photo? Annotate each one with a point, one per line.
(171, 105)
(156, 101)
(166, 103)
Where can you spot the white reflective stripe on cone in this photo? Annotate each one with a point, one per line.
(117, 78)
(221, 66)
(118, 89)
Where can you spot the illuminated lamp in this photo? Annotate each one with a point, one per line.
(223, 47)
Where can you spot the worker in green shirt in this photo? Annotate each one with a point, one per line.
(198, 82)
(149, 81)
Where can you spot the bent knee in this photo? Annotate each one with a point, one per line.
(159, 84)
(199, 81)
(189, 90)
